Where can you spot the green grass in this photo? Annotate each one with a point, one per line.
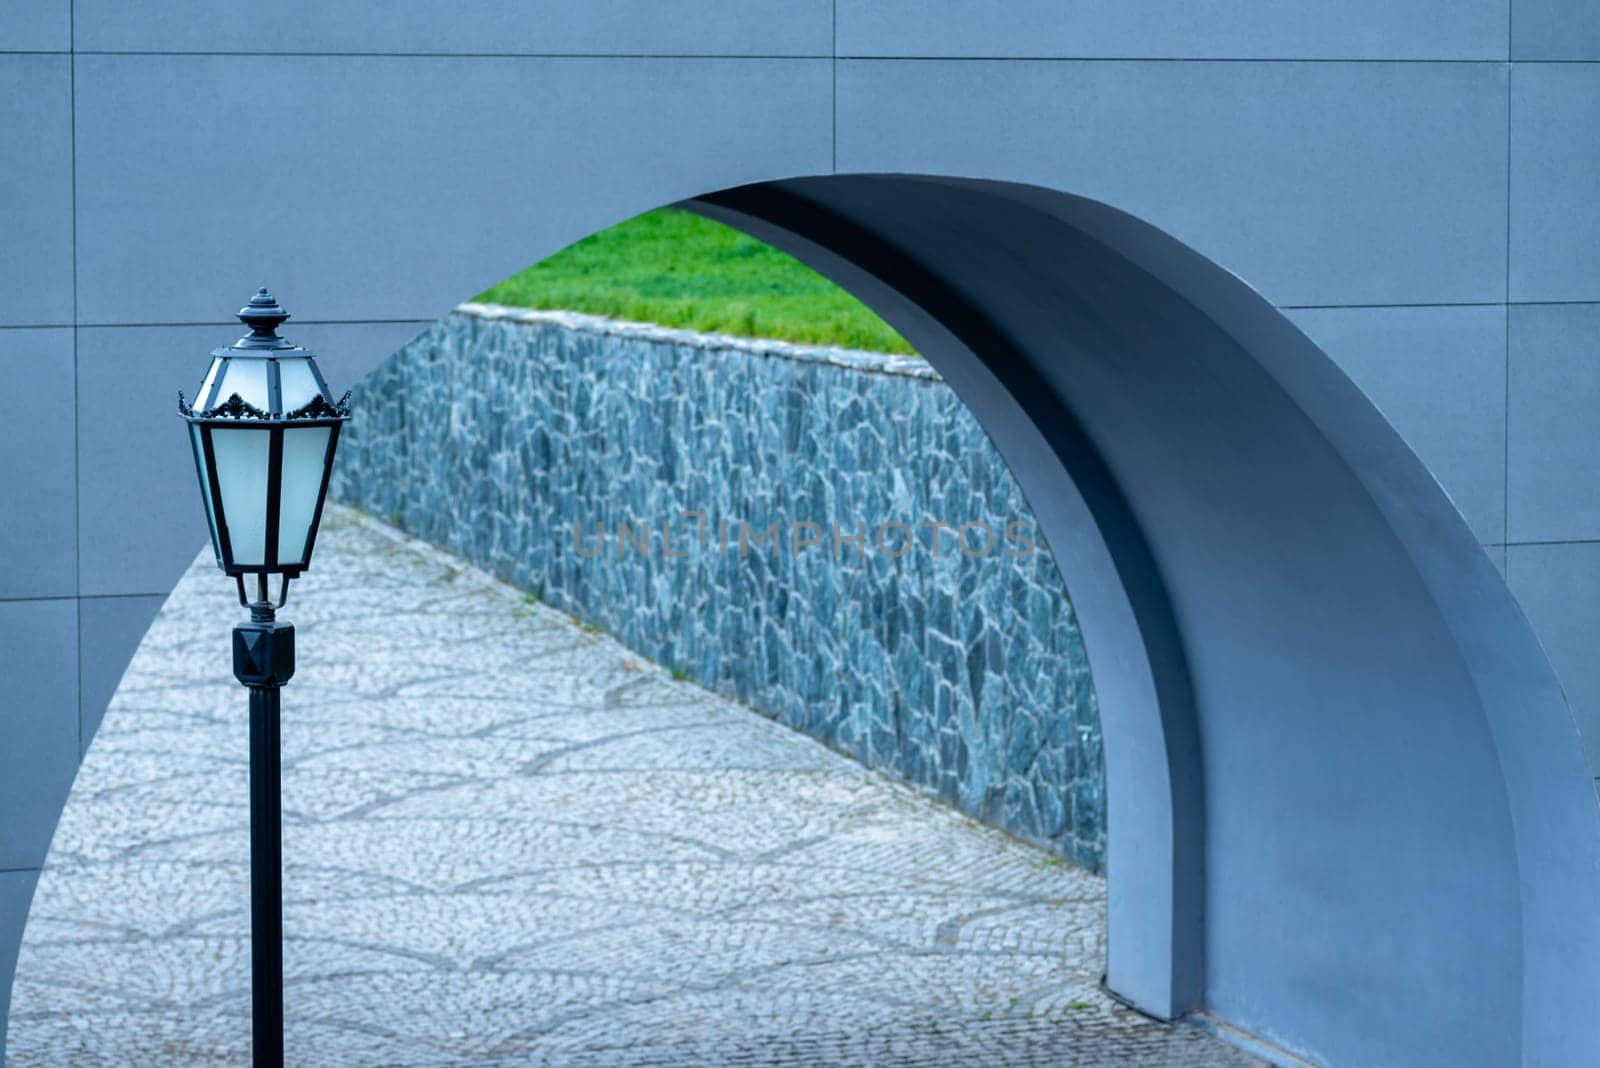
(677, 269)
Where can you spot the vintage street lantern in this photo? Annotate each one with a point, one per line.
(263, 429)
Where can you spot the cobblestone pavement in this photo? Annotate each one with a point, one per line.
(510, 841)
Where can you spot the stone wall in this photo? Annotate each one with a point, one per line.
(564, 451)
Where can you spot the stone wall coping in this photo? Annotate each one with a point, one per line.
(882, 363)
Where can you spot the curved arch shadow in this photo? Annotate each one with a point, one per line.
(1348, 807)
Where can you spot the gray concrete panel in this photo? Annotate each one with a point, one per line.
(36, 26)
(109, 630)
(1553, 448)
(1439, 375)
(38, 531)
(1555, 29)
(136, 475)
(1559, 587)
(531, 27)
(346, 352)
(139, 512)
(39, 722)
(1555, 157)
(1321, 183)
(36, 190)
(1179, 29)
(377, 161)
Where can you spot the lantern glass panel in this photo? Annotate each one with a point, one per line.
(305, 454)
(296, 383)
(203, 398)
(248, 378)
(205, 487)
(241, 454)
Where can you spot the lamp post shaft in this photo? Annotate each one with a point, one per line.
(263, 659)
(263, 429)
(266, 879)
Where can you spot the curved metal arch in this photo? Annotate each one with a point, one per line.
(1151, 749)
(1368, 800)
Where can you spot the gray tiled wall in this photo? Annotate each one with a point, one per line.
(381, 144)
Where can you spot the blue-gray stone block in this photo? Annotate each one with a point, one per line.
(1553, 448)
(1177, 29)
(36, 190)
(1555, 192)
(39, 722)
(962, 671)
(38, 531)
(1256, 165)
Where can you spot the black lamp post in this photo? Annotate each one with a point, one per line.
(263, 428)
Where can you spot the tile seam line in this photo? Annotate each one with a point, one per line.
(1505, 411)
(52, 598)
(1537, 543)
(1481, 61)
(77, 445)
(227, 53)
(864, 57)
(1445, 304)
(233, 323)
(424, 322)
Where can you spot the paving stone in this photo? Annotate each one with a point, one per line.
(511, 842)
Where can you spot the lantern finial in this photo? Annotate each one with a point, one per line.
(263, 315)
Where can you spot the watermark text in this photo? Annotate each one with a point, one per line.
(692, 531)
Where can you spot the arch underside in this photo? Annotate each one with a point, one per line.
(1348, 807)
